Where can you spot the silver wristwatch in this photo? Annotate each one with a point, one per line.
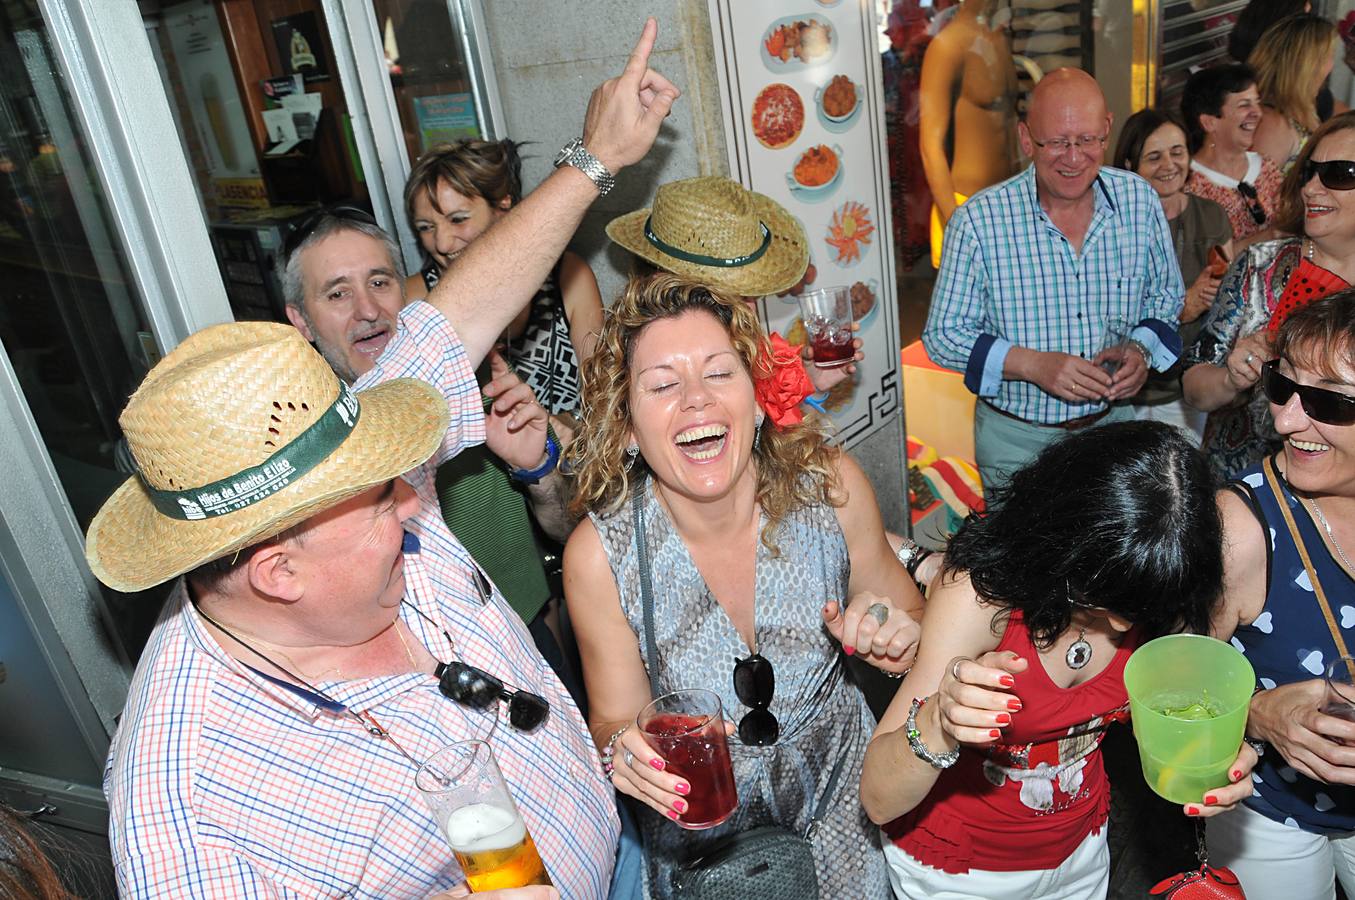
(574, 154)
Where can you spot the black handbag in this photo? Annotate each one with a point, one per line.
(768, 862)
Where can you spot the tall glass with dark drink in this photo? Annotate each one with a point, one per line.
(827, 315)
(462, 785)
(687, 728)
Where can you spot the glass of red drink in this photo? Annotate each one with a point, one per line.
(827, 314)
(687, 728)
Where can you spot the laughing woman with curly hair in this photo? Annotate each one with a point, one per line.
(764, 548)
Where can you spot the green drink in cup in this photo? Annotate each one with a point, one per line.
(1188, 696)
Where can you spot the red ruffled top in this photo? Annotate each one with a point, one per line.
(1028, 802)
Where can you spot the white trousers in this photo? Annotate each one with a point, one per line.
(1084, 875)
(1177, 412)
(1272, 859)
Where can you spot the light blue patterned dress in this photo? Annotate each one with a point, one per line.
(822, 714)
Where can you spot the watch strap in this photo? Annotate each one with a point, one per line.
(532, 476)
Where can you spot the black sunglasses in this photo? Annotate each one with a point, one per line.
(1258, 212)
(306, 227)
(754, 684)
(1335, 174)
(1320, 404)
(478, 689)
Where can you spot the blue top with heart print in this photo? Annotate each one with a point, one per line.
(1290, 641)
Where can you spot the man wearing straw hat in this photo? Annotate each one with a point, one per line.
(329, 633)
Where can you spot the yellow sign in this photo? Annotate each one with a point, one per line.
(247, 193)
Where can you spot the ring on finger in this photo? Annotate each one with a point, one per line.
(630, 759)
(955, 668)
(1250, 357)
(879, 612)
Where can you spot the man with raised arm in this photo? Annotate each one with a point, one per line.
(327, 634)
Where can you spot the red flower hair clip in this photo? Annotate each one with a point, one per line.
(780, 383)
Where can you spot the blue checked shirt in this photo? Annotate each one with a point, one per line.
(1009, 278)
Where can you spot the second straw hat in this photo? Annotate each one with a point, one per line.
(719, 233)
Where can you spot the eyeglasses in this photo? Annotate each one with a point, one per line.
(1335, 174)
(754, 684)
(1258, 212)
(1087, 143)
(307, 226)
(1320, 404)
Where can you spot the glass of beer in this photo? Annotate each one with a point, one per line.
(687, 728)
(827, 314)
(462, 785)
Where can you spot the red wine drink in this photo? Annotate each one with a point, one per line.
(827, 317)
(687, 729)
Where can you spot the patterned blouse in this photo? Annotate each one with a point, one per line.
(1262, 174)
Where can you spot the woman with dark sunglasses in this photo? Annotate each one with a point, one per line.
(1289, 527)
(986, 770)
(1265, 284)
(710, 495)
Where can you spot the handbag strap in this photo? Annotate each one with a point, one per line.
(637, 507)
(1272, 478)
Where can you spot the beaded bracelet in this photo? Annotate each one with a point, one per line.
(608, 753)
(921, 750)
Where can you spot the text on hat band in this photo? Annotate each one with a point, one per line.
(248, 486)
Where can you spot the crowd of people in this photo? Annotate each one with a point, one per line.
(356, 509)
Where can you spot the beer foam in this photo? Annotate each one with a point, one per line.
(481, 826)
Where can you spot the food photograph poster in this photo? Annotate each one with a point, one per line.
(800, 86)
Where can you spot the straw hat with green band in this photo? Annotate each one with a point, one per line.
(719, 233)
(240, 433)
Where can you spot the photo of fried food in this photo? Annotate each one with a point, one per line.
(816, 166)
(839, 98)
(863, 300)
(804, 39)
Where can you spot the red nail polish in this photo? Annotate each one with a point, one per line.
(1210, 800)
(680, 805)
(1014, 705)
(672, 815)
(1007, 681)
(683, 788)
(848, 650)
(657, 763)
(1192, 810)
(1235, 774)
(995, 733)
(1004, 719)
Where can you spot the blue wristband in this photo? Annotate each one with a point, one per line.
(532, 476)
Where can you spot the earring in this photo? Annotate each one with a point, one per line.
(632, 452)
(757, 434)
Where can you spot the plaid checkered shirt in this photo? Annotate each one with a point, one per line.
(222, 782)
(1009, 277)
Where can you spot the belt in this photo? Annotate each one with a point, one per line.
(1067, 425)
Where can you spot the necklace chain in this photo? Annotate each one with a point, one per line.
(1326, 526)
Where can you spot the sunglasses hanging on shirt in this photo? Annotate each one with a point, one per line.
(1258, 212)
(755, 684)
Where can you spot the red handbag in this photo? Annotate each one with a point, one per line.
(1204, 883)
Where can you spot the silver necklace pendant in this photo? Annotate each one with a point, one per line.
(1079, 651)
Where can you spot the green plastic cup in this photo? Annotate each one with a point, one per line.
(1188, 696)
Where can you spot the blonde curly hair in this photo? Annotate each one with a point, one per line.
(794, 463)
